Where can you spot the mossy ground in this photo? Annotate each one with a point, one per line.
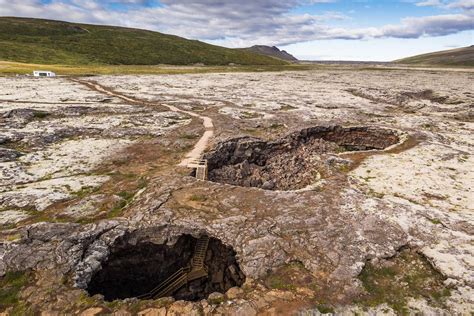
(394, 281)
(408, 275)
(10, 287)
(287, 277)
(294, 277)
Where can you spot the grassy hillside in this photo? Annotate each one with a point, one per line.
(54, 42)
(454, 57)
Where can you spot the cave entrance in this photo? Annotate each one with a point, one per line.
(190, 269)
(292, 162)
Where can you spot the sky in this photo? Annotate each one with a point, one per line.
(309, 29)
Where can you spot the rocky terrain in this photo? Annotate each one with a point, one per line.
(332, 191)
(272, 51)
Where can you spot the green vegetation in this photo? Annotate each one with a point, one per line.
(134, 306)
(295, 277)
(407, 275)
(40, 114)
(325, 309)
(276, 126)
(288, 277)
(142, 183)
(463, 158)
(10, 287)
(54, 42)
(198, 198)
(216, 300)
(12, 237)
(454, 57)
(12, 68)
(85, 191)
(84, 300)
(279, 284)
(287, 107)
(127, 196)
(436, 221)
(250, 115)
(344, 168)
(117, 210)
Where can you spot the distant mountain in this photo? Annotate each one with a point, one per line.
(55, 42)
(272, 51)
(453, 57)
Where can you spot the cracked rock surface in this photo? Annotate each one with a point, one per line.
(55, 133)
(367, 204)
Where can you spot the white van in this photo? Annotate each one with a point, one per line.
(41, 73)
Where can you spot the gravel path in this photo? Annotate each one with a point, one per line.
(199, 148)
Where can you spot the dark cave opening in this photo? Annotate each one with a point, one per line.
(291, 162)
(138, 270)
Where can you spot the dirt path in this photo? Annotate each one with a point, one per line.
(199, 148)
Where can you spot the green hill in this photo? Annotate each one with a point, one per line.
(453, 57)
(55, 42)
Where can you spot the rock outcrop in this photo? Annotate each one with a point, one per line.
(272, 51)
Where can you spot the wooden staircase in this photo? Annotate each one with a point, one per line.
(193, 271)
(201, 168)
(197, 262)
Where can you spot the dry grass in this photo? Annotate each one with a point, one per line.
(15, 68)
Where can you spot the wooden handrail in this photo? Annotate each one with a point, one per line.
(195, 270)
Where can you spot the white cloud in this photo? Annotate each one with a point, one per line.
(237, 24)
(429, 3)
(462, 4)
(438, 25)
(321, 1)
(448, 4)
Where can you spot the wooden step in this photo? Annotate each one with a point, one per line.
(200, 251)
(197, 274)
(195, 271)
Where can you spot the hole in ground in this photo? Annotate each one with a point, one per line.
(292, 162)
(139, 270)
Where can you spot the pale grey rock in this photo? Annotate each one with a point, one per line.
(12, 216)
(88, 206)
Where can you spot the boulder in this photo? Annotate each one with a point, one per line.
(215, 298)
(153, 312)
(234, 292)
